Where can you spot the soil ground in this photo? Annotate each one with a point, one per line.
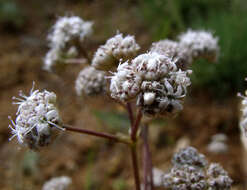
(94, 163)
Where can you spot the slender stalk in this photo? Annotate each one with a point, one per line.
(135, 127)
(130, 112)
(147, 161)
(94, 133)
(135, 167)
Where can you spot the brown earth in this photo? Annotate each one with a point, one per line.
(94, 163)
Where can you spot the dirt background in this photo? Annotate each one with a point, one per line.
(94, 163)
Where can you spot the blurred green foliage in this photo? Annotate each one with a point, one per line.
(227, 19)
(115, 121)
(120, 184)
(10, 14)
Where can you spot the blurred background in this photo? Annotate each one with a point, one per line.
(211, 107)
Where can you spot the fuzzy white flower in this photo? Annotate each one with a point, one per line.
(62, 40)
(152, 66)
(191, 171)
(156, 82)
(217, 178)
(36, 116)
(125, 84)
(67, 29)
(90, 82)
(115, 49)
(57, 183)
(200, 43)
(181, 55)
(165, 47)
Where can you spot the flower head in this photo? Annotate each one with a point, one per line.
(181, 56)
(192, 171)
(66, 34)
(67, 29)
(36, 116)
(90, 82)
(115, 49)
(200, 43)
(156, 82)
(125, 84)
(189, 156)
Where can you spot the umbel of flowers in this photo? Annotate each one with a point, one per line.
(155, 82)
(191, 171)
(37, 115)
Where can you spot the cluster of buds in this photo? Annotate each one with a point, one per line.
(154, 80)
(90, 82)
(66, 35)
(191, 46)
(37, 115)
(192, 171)
(200, 44)
(117, 48)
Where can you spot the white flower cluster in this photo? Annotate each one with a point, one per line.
(115, 49)
(57, 183)
(189, 156)
(191, 171)
(90, 82)
(200, 43)
(65, 33)
(156, 82)
(36, 116)
(182, 56)
(191, 46)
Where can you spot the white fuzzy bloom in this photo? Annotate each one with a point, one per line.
(182, 56)
(90, 82)
(103, 59)
(155, 79)
(67, 29)
(62, 40)
(123, 47)
(217, 178)
(125, 84)
(57, 183)
(191, 171)
(200, 43)
(153, 66)
(115, 49)
(165, 47)
(162, 78)
(36, 116)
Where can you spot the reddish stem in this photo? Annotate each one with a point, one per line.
(93, 133)
(135, 127)
(135, 167)
(130, 112)
(147, 161)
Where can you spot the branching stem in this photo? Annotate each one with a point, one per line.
(94, 133)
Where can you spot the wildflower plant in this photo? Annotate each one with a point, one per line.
(152, 84)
